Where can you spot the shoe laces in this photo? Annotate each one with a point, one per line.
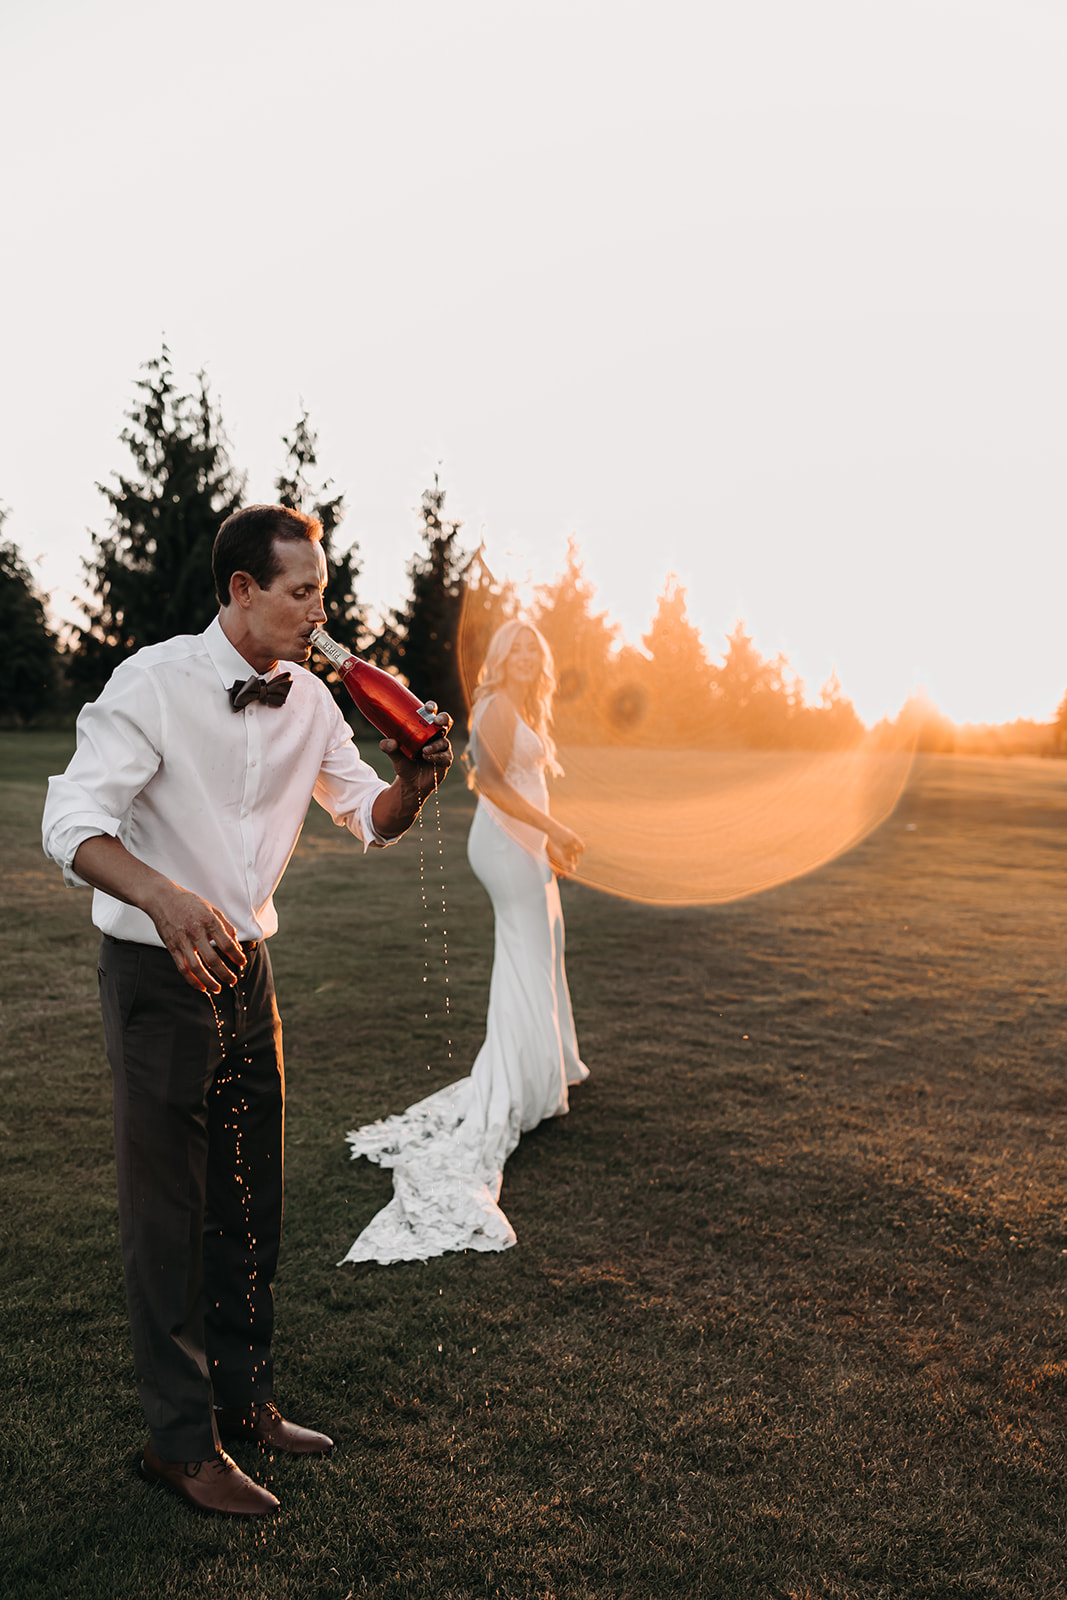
(219, 1463)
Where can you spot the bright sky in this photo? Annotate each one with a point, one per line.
(768, 295)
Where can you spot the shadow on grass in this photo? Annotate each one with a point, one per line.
(785, 1317)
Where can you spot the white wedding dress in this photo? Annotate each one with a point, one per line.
(448, 1151)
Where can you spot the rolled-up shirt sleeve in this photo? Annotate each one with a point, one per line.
(347, 788)
(120, 736)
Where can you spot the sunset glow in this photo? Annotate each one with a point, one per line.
(768, 297)
(699, 828)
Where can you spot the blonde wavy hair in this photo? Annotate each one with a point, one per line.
(537, 706)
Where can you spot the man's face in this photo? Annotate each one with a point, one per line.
(280, 618)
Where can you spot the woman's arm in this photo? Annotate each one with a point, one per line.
(496, 739)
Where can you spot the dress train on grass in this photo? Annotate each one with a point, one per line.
(447, 1152)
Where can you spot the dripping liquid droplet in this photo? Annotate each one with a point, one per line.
(233, 1105)
(439, 894)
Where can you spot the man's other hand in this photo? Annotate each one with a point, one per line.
(202, 941)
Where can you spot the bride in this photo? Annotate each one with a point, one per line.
(447, 1152)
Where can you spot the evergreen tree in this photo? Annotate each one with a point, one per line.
(1059, 727)
(28, 654)
(678, 674)
(630, 717)
(346, 617)
(757, 702)
(919, 725)
(294, 487)
(419, 642)
(150, 575)
(833, 723)
(582, 642)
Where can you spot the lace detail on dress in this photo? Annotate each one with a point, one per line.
(447, 1152)
(445, 1188)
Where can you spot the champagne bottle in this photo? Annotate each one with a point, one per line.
(383, 699)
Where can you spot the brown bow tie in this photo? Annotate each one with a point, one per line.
(268, 692)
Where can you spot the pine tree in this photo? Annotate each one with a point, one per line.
(582, 642)
(1059, 726)
(151, 574)
(28, 654)
(630, 717)
(346, 617)
(921, 725)
(419, 642)
(833, 723)
(678, 674)
(757, 701)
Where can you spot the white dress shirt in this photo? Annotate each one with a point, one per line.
(211, 797)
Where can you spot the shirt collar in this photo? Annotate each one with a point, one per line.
(228, 661)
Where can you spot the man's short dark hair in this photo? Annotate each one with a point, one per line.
(245, 543)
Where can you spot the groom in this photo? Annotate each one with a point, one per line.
(181, 807)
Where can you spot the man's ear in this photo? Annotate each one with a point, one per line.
(241, 587)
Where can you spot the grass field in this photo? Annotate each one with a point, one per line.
(786, 1316)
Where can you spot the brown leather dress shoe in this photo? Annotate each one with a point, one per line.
(264, 1423)
(216, 1485)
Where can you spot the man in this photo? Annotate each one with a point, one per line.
(181, 808)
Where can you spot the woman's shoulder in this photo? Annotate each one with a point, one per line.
(494, 710)
(493, 723)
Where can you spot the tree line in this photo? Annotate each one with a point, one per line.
(148, 577)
